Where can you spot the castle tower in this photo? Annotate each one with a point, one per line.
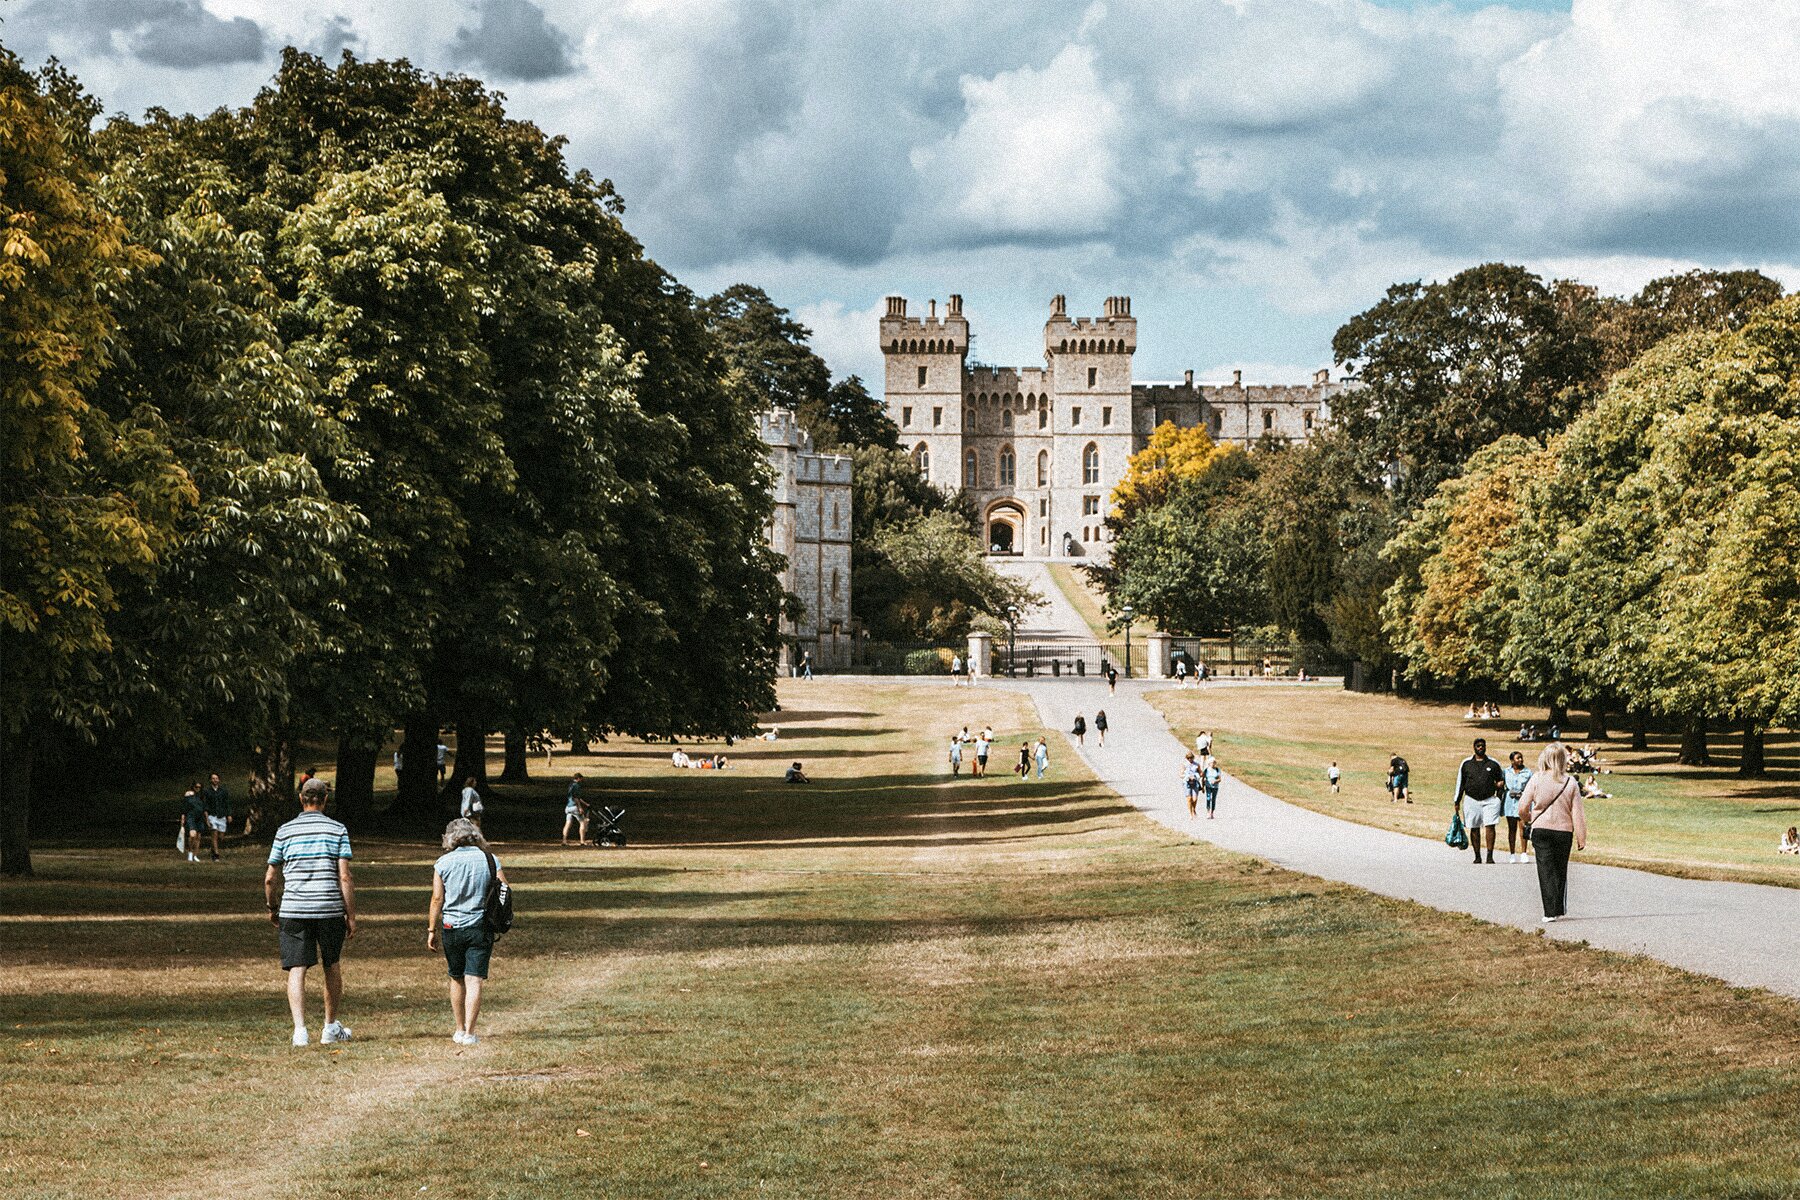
(1088, 360)
(925, 358)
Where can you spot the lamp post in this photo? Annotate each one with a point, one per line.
(1127, 611)
(1012, 639)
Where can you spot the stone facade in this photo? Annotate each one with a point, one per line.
(810, 528)
(1040, 448)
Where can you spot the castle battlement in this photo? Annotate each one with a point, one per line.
(930, 334)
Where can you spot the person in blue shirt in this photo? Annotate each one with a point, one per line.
(459, 882)
(575, 810)
(1517, 776)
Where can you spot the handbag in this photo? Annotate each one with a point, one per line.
(1458, 837)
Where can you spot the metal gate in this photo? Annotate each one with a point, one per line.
(1077, 660)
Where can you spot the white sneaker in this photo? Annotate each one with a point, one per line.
(337, 1031)
(1551, 920)
(470, 1039)
(459, 1037)
(193, 857)
(300, 1035)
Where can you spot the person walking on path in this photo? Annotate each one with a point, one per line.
(1479, 785)
(1551, 805)
(1517, 776)
(1023, 770)
(1100, 725)
(984, 744)
(1190, 783)
(806, 664)
(1203, 743)
(1399, 779)
(317, 913)
(1333, 776)
(459, 884)
(193, 820)
(1112, 679)
(955, 755)
(1043, 756)
(443, 761)
(1181, 679)
(575, 810)
(956, 670)
(216, 802)
(1080, 730)
(471, 801)
(1210, 778)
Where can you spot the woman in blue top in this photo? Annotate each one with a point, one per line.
(1517, 776)
(459, 882)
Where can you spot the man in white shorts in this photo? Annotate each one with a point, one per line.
(1480, 783)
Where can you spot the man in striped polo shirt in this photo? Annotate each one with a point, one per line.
(318, 905)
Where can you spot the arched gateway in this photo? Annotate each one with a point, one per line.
(1005, 527)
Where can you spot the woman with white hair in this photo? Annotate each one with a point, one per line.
(459, 883)
(1551, 805)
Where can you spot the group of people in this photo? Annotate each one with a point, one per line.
(1078, 731)
(1544, 804)
(1184, 674)
(706, 762)
(974, 750)
(204, 810)
(1201, 775)
(1485, 710)
(311, 898)
(1531, 733)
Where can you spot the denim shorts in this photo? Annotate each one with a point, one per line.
(467, 949)
(305, 940)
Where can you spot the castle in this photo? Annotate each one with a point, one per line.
(810, 527)
(1040, 449)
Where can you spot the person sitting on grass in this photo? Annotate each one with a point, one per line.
(1591, 790)
(679, 758)
(796, 775)
(1790, 841)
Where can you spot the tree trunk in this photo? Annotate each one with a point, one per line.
(471, 752)
(15, 804)
(355, 781)
(1597, 722)
(1640, 730)
(1752, 764)
(1559, 717)
(578, 745)
(416, 805)
(514, 769)
(1693, 744)
(271, 783)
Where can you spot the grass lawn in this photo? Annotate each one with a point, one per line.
(1702, 822)
(885, 984)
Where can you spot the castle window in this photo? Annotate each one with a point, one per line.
(922, 461)
(1044, 470)
(1044, 507)
(1090, 506)
(1268, 419)
(894, 346)
(921, 376)
(906, 415)
(1006, 465)
(1218, 423)
(1044, 416)
(1044, 535)
(1090, 464)
(1307, 420)
(1106, 415)
(1093, 374)
(837, 522)
(937, 418)
(971, 470)
(1006, 418)
(968, 418)
(834, 583)
(1075, 415)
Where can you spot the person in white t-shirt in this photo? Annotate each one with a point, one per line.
(471, 801)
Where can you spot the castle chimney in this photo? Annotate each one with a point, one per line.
(1187, 377)
(1059, 306)
(896, 306)
(1237, 379)
(955, 305)
(934, 310)
(1322, 375)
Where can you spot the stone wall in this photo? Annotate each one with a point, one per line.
(810, 528)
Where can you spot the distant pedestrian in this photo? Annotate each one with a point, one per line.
(955, 755)
(983, 745)
(806, 664)
(1112, 678)
(1042, 754)
(575, 811)
(443, 760)
(1181, 674)
(1479, 787)
(317, 914)
(1399, 779)
(399, 763)
(1551, 805)
(1211, 776)
(471, 801)
(458, 914)
(1023, 769)
(193, 820)
(1080, 730)
(1100, 725)
(1517, 776)
(217, 803)
(956, 670)
(1333, 776)
(1190, 783)
(1203, 742)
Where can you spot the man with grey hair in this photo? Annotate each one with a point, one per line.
(317, 914)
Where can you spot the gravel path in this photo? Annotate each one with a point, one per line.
(1746, 934)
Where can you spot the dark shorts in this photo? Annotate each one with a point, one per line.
(305, 940)
(192, 823)
(467, 950)
(1400, 781)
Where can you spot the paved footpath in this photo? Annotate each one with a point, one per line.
(1746, 934)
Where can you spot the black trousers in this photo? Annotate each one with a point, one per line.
(1552, 848)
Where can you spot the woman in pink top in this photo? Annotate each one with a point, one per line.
(1551, 805)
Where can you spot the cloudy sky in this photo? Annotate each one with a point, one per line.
(1251, 172)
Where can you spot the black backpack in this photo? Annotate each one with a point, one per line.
(496, 905)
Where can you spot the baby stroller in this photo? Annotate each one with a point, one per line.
(603, 826)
